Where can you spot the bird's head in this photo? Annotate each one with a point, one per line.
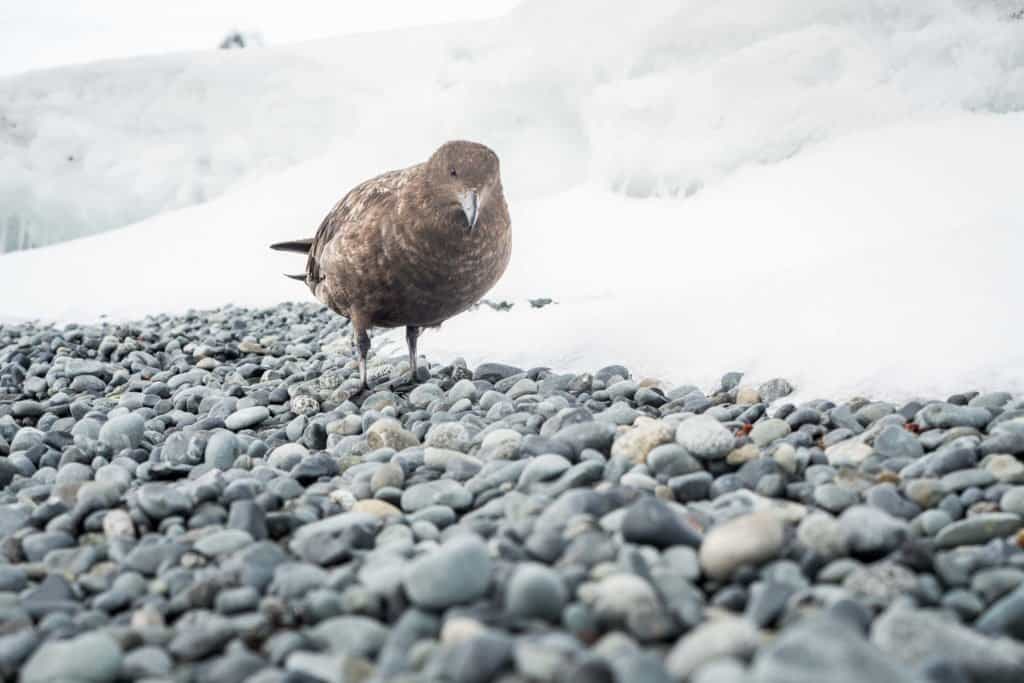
(466, 175)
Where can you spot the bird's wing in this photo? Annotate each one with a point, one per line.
(373, 197)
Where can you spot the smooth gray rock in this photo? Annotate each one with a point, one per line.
(535, 591)
(896, 442)
(946, 415)
(651, 521)
(978, 529)
(222, 542)
(246, 417)
(824, 648)
(439, 492)
(870, 532)
(913, 636)
(123, 431)
(353, 634)
(162, 500)
(767, 431)
(705, 437)
(458, 571)
(221, 449)
(89, 658)
(726, 636)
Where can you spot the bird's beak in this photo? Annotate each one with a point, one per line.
(470, 201)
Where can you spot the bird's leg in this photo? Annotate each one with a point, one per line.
(412, 333)
(363, 349)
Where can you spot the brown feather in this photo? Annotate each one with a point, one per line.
(398, 250)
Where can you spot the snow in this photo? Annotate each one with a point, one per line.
(49, 33)
(822, 191)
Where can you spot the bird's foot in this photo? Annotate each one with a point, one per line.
(407, 381)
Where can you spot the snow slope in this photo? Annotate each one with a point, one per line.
(660, 100)
(47, 33)
(827, 193)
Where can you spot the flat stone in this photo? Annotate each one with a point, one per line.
(89, 658)
(722, 637)
(223, 542)
(767, 431)
(849, 453)
(946, 415)
(246, 417)
(439, 492)
(978, 529)
(377, 508)
(750, 539)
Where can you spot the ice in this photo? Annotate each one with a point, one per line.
(827, 192)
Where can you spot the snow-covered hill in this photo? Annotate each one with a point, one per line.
(660, 100)
(825, 191)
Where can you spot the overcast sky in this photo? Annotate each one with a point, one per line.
(45, 33)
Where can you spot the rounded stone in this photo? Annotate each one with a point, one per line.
(635, 444)
(705, 437)
(459, 571)
(767, 431)
(221, 449)
(123, 431)
(387, 475)
(89, 658)
(535, 591)
(378, 508)
(651, 521)
(870, 532)
(1013, 501)
(388, 432)
(246, 417)
(978, 529)
(160, 500)
(439, 492)
(750, 539)
(222, 542)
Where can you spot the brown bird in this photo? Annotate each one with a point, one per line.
(411, 247)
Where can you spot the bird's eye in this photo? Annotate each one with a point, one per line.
(452, 172)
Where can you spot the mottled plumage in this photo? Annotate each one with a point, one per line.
(412, 247)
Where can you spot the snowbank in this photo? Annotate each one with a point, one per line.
(885, 262)
(660, 100)
(826, 192)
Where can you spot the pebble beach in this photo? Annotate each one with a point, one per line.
(210, 497)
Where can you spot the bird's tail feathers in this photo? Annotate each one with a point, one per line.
(297, 246)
